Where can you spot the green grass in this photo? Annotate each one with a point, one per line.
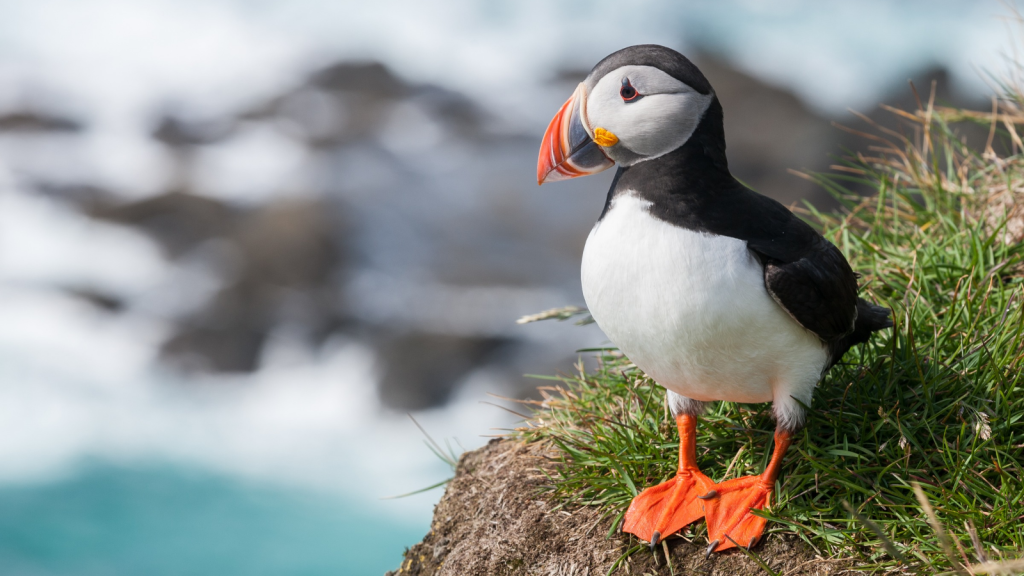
(935, 401)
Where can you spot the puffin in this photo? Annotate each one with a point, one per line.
(714, 291)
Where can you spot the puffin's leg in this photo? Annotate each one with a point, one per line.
(666, 508)
(729, 520)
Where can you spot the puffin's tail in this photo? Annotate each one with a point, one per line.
(870, 318)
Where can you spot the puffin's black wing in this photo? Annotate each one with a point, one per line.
(804, 273)
(807, 275)
(818, 290)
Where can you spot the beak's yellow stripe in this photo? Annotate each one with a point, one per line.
(605, 138)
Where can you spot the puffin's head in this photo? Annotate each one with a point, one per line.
(637, 104)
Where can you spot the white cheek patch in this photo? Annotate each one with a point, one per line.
(661, 121)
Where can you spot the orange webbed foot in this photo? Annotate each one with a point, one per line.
(668, 507)
(730, 522)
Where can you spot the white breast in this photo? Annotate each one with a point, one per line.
(691, 310)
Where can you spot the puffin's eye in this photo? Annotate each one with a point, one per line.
(628, 93)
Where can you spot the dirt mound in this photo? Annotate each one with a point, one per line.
(494, 519)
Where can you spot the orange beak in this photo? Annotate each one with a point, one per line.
(568, 149)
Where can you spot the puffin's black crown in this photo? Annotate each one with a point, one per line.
(665, 59)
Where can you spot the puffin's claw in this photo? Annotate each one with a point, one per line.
(751, 543)
(711, 548)
(709, 495)
(655, 538)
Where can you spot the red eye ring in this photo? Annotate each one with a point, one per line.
(628, 92)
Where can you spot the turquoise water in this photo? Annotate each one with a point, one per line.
(160, 520)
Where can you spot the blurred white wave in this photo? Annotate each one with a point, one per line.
(46, 243)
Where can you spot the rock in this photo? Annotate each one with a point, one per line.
(372, 78)
(224, 339)
(178, 220)
(100, 299)
(282, 263)
(420, 369)
(341, 104)
(494, 519)
(88, 198)
(289, 243)
(177, 132)
(29, 121)
(288, 259)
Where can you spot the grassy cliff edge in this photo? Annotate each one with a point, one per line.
(911, 460)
